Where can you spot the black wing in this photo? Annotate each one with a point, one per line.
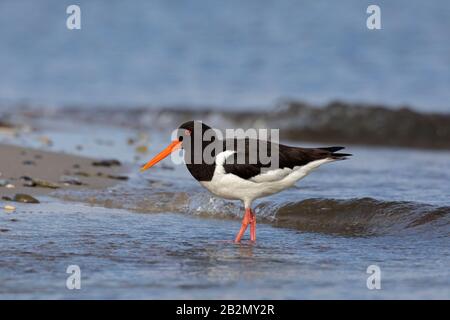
(244, 164)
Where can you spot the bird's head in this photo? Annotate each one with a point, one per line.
(187, 135)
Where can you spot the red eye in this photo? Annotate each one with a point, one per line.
(187, 132)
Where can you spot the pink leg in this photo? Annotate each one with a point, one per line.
(245, 221)
(253, 226)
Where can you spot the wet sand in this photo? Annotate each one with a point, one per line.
(58, 170)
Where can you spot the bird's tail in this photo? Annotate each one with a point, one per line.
(336, 155)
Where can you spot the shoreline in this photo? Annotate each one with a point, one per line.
(37, 173)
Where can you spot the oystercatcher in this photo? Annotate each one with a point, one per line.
(233, 172)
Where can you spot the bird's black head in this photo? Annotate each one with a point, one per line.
(193, 137)
(192, 127)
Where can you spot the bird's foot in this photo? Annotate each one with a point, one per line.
(249, 218)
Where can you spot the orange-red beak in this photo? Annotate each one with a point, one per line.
(173, 146)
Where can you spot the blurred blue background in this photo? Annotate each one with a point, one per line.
(230, 54)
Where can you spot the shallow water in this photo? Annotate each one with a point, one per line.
(160, 235)
(126, 255)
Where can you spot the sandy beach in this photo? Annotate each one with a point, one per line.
(36, 172)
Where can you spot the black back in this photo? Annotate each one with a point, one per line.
(244, 163)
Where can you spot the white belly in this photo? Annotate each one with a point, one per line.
(230, 186)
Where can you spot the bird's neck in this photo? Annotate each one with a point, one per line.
(201, 169)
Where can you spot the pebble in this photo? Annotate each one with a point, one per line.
(21, 197)
(9, 208)
(141, 149)
(82, 174)
(25, 198)
(30, 182)
(158, 183)
(27, 181)
(167, 167)
(68, 180)
(29, 163)
(111, 176)
(106, 163)
(10, 186)
(45, 184)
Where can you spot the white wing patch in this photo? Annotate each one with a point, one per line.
(230, 186)
(272, 175)
(221, 157)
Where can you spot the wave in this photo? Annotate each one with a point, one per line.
(336, 122)
(348, 217)
(362, 216)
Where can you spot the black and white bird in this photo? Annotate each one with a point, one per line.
(234, 173)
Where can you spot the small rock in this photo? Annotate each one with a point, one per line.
(141, 149)
(30, 182)
(68, 180)
(45, 184)
(29, 163)
(167, 167)
(106, 163)
(25, 198)
(27, 181)
(76, 166)
(9, 208)
(158, 183)
(82, 174)
(111, 176)
(4, 230)
(21, 197)
(10, 186)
